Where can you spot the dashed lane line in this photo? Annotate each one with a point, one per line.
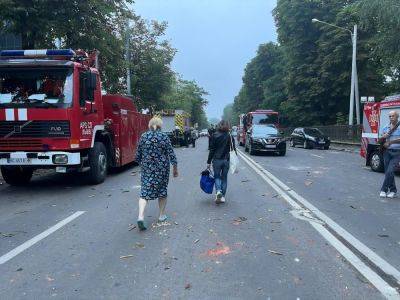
(330, 230)
(13, 253)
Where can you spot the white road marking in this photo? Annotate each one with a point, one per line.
(6, 257)
(319, 156)
(289, 195)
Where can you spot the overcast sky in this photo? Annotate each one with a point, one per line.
(215, 40)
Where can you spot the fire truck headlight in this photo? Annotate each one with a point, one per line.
(60, 159)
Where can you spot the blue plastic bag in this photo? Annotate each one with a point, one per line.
(207, 182)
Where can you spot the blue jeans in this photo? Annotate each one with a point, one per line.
(391, 160)
(221, 168)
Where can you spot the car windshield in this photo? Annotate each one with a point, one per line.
(259, 119)
(263, 130)
(35, 87)
(312, 131)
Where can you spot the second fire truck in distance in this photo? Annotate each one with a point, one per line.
(258, 117)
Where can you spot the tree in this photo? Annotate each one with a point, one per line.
(190, 97)
(150, 62)
(92, 24)
(228, 115)
(383, 19)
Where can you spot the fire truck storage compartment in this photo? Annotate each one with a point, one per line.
(127, 125)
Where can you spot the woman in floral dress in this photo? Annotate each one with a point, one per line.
(155, 154)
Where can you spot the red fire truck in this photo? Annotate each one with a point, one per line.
(376, 117)
(258, 117)
(53, 115)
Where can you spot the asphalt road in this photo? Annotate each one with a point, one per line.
(251, 247)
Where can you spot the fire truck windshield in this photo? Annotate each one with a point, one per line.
(34, 87)
(263, 119)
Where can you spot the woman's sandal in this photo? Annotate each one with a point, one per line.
(163, 218)
(140, 224)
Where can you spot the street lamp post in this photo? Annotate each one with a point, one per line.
(354, 93)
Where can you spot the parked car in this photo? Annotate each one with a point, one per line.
(204, 132)
(309, 138)
(265, 138)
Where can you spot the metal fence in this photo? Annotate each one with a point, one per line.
(339, 133)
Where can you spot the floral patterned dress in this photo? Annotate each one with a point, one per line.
(155, 154)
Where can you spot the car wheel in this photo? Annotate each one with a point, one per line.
(246, 149)
(291, 143)
(326, 148)
(376, 162)
(306, 145)
(282, 153)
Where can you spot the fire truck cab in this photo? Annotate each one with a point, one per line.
(376, 117)
(53, 115)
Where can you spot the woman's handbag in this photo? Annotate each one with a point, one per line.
(207, 182)
(233, 158)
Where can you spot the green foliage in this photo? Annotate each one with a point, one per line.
(92, 24)
(229, 115)
(306, 76)
(190, 97)
(150, 60)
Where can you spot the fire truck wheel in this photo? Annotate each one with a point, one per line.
(98, 163)
(376, 162)
(16, 175)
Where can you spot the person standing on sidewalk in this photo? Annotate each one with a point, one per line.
(220, 147)
(155, 154)
(391, 156)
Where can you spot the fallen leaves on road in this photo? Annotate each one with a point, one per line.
(275, 252)
(126, 256)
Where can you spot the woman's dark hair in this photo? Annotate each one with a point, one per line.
(223, 126)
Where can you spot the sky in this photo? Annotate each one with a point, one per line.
(215, 39)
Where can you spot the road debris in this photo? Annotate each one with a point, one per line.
(131, 227)
(221, 249)
(19, 269)
(126, 256)
(275, 252)
(91, 196)
(383, 235)
(297, 260)
(21, 212)
(196, 241)
(188, 286)
(308, 182)
(276, 222)
(245, 180)
(139, 245)
(353, 207)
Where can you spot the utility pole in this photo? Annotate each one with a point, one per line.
(354, 92)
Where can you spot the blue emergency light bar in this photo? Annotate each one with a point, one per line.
(49, 53)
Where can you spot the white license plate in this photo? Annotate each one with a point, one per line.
(270, 146)
(19, 160)
(322, 142)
